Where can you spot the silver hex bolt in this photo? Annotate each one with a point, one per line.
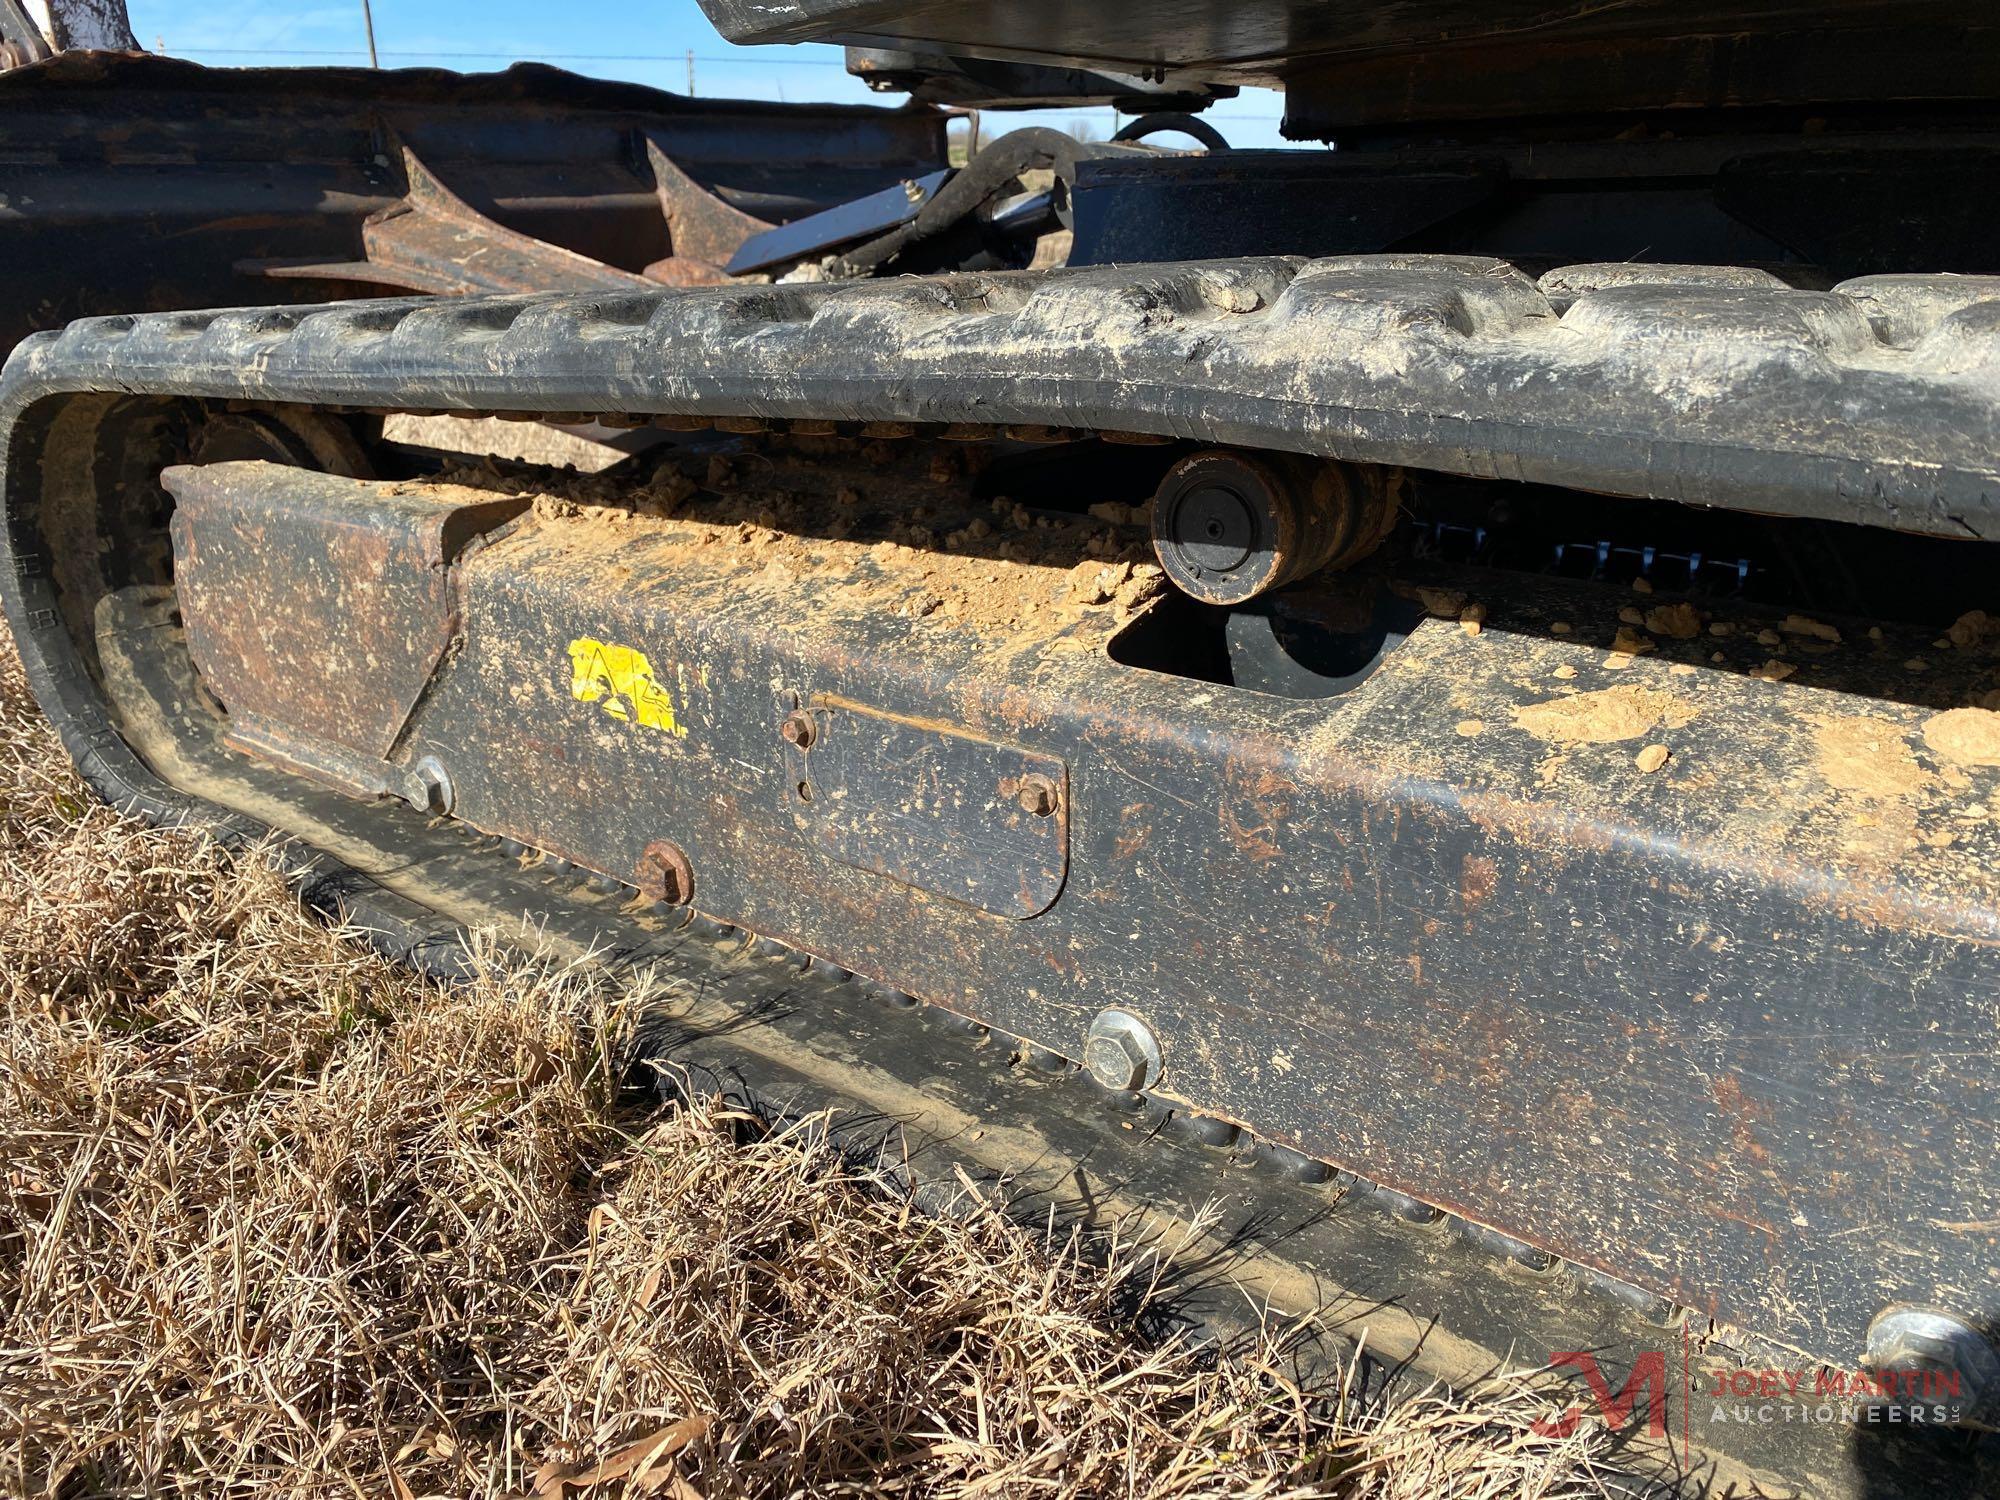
(428, 788)
(1122, 1052)
(1946, 1360)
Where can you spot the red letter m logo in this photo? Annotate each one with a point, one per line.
(1649, 1374)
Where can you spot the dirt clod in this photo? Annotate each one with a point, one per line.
(1652, 758)
(1974, 630)
(1681, 621)
(1965, 736)
(1804, 625)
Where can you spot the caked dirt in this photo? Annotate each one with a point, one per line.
(909, 542)
(1625, 712)
(1867, 756)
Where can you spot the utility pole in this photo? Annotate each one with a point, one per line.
(368, 20)
(690, 72)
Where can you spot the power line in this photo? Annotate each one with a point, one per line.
(687, 58)
(656, 57)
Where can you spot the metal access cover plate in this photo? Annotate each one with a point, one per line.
(935, 808)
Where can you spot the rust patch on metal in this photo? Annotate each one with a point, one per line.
(1477, 877)
(703, 230)
(317, 608)
(432, 240)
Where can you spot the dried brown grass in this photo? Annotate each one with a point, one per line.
(279, 1218)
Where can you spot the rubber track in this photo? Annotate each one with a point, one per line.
(1462, 358)
(1876, 402)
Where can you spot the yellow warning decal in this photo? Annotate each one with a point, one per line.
(622, 680)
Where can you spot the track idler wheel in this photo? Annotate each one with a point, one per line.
(1229, 525)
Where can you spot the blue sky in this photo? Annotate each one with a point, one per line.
(649, 45)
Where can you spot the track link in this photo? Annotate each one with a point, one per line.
(1877, 402)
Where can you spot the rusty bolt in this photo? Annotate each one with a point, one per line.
(798, 729)
(1037, 794)
(664, 874)
(1122, 1052)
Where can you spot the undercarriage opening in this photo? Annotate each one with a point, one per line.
(960, 511)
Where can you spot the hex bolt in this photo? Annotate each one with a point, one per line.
(1037, 794)
(664, 874)
(1122, 1052)
(1941, 1352)
(798, 729)
(428, 787)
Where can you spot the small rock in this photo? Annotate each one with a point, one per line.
(1651, 758)
(1467, 728)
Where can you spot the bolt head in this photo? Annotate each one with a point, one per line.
(1121, 1051)
(664, 874)
(1921, 1340)
(1037, 795)
(428, 787)
(798, 729)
